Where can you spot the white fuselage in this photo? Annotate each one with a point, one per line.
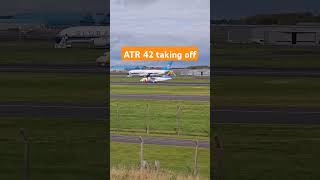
(151, 72)
(97, 35)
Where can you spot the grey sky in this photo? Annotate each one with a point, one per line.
(160, 23)
(219, 8)
(240, 8)
(20, 6)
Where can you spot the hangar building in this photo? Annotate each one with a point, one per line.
(301, 34)
(193, 72)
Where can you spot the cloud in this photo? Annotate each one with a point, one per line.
(161, 23)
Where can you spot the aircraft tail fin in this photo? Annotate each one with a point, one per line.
(168, 67)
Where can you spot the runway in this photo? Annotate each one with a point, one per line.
(169, 83)
(269, 115)
(54, 68)
(217, 71)
(246, 71)
(284, 115)
(53, 110)
(159, 141)
(161, 97)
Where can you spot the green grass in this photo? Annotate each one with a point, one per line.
(51, 87)
(274, 151)
(266, 91)
(178, 159)
(132, 116)
(59, 149)
(241, 55)
(43, 52)
(160, 89)
(228, 90)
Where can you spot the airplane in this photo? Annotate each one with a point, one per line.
(151, 72)
(149, 79)
(154, 76)
(96, 35)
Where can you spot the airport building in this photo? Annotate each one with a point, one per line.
(301, 34)
(192, 72)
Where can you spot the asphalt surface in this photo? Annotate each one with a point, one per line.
(159, 141)
(53, 68)
(161, 97)
(226, 71)
(53, 110)
(266, 115)
(93, 68)
(169, 83)
(219, 115)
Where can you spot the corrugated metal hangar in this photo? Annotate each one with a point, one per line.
(268, 34)
(193, 72)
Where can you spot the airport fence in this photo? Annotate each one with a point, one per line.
(157, 118)
(147, 165)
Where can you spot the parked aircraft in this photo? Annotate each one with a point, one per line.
(95, 35)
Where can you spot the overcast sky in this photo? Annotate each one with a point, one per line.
(160, 23)
(219, 8)
(240, 8)
(20, 6)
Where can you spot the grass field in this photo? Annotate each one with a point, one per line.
(270, 151)
(177, 159)
(43, 52)
(266, 91)
(51, 87)
(132, 116)
(242, 55)
(89, 88)
(160, 89)
(71, 87)
(76, 148)
(59, 148)
(137, 174)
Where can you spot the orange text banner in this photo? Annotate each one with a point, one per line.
(160, 53)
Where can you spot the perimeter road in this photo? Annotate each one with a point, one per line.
(266, 115)
(159, 141)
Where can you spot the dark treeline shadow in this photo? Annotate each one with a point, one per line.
(54, 95)
(265, 89)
